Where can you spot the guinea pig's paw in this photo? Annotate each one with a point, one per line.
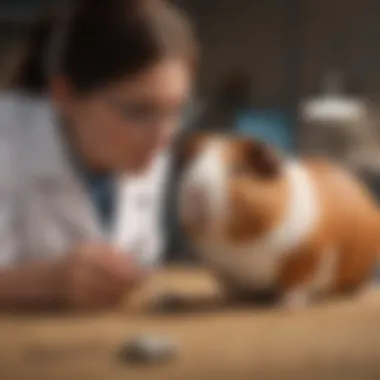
(366, 292)
(296, 299)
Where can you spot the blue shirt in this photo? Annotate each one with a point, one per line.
(100, 185)
(101, 190)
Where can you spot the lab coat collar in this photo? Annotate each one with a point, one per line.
(54, 176)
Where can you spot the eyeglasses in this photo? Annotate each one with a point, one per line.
(147, 114)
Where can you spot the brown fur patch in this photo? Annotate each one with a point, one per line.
(257, 190)
(349, 226)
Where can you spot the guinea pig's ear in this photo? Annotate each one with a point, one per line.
(262, 158)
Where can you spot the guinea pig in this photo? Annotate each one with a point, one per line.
(302, 228)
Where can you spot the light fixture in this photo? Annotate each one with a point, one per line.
(333, 105)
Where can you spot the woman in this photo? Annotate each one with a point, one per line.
(83, 168)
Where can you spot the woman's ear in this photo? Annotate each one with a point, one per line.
(262, 158)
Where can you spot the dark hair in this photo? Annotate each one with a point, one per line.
(235, 90)
(98, 42)
(26, 69)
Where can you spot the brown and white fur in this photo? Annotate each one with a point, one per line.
(262, 222)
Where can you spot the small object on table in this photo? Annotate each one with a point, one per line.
(148, 350)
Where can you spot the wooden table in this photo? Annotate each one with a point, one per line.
(336, 341)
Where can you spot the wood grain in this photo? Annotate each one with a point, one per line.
(340, 340)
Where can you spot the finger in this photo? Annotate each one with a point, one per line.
(87, 287)
(107, 285)
(97, 293)
(106, 295)
(119, 268)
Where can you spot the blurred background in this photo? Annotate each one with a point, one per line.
(300, 74)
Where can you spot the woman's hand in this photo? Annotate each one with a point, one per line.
(90, 276)
(97, 275)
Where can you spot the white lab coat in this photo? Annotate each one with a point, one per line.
(44, 208)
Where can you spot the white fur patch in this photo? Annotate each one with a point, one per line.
(325, 273)
(207, 174)
(256, 264)
(296, 299)
(304, 294)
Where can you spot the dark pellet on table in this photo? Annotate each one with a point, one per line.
(147, 349)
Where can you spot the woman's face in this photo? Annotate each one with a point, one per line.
(122, 127)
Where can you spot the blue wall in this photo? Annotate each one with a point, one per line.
(272, 125)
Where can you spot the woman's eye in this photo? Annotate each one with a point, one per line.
(132, 111)
(147, 112)
(138, 112)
